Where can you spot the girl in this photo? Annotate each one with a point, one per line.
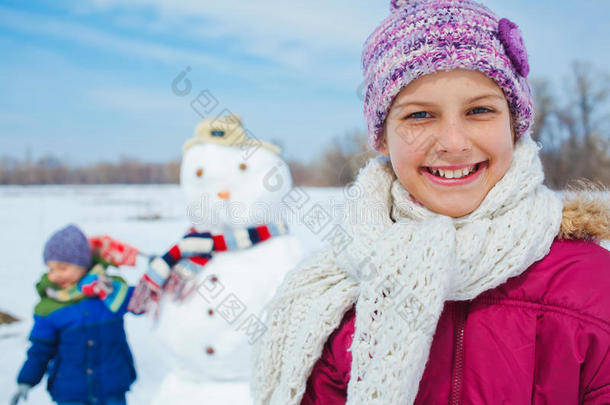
(466, 280)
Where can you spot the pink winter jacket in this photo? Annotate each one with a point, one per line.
(540, 338)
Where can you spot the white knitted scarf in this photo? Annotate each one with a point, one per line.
(402, 264)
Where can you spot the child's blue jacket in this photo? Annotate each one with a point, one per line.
(85, 348)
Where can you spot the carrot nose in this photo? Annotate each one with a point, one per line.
(224, 195)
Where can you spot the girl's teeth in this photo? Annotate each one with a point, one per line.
(453, 174)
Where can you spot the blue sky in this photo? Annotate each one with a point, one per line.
(90, 80)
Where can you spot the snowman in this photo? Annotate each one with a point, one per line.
(234, 186)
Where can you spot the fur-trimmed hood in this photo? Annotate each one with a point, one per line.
(586, 215)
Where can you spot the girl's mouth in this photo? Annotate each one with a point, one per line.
(454, 175)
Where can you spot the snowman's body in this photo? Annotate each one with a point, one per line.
(208, 336)
(208, 349)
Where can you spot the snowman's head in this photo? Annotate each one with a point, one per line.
(231, 180)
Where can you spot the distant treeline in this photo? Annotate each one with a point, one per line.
(50, 170)
(572, 125)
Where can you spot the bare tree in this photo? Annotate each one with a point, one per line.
(544, 103)
(573, 129)
(50, 170)
(340, 162)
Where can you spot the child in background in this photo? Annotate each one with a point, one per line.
(461, 278)
(78, 328)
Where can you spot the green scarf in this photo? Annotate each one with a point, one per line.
(62, 297)
(53, 297)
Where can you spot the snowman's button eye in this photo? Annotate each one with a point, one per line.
(242, 166)
(199, 172)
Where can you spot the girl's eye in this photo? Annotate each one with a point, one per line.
(481, 109)
(417, 115)
(422, 114)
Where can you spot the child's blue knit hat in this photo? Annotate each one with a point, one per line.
(69, 245)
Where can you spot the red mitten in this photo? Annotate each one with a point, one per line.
(146, 296)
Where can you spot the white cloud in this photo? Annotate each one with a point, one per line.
(298, 35)
(319, 24)
(74, 32)
(312, 41)
(137, 101)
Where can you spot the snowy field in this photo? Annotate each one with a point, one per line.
(149, 217)
(28, 215)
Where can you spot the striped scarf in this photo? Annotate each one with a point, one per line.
(174, 273)
(68, 295)
(96, 283)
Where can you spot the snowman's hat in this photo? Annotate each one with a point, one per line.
(229, 131)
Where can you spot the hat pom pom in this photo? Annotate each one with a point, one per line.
(398, 4)
(510, 36)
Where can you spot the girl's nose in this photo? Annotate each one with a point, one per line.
(452, 138)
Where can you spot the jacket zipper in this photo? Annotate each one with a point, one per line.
(457, 379)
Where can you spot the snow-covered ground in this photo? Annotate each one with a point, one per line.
(28, 215)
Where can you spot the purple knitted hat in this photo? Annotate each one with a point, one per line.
(424, 36)
(68, 245)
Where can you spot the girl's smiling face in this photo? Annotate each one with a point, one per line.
(450, 139)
